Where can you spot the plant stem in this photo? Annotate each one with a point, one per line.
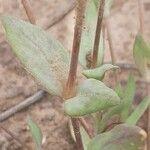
(70, 86)
(98, 33)
(99, 27)
(86, 127)
(29, 12)
(76, 128)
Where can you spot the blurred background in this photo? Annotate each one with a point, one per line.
(57, 17)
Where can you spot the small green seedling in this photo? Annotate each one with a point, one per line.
(48, 61)
(36, 133)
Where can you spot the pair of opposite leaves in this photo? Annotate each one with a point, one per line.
(36, 51)
(48, 61)
(45, 58)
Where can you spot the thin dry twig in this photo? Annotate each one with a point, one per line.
(58, 17)
(26, 103)
(53, 20)
(24, 146)
(86, 127)
(98, 33)
(29, 12)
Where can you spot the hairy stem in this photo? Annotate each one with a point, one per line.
(70, 86)
(98, 33)
(29, 12)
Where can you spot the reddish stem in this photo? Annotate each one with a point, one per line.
(86, 127)
(76, 128)
(69, 92)
(98, 33)
(70, 86)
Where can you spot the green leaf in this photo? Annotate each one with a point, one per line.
(107, 116)
(85, 138)
(128, 98)
(119, 90)
(138, 112)
(124, 108)
(44, 57)
(92, 96)
(88, 35)
(36, 133)
(96, 3)
(99, 73)
(141, 52)
(121, 137)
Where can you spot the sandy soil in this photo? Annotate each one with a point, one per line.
(16, 84)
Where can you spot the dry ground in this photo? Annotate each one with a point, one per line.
(16, 84)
